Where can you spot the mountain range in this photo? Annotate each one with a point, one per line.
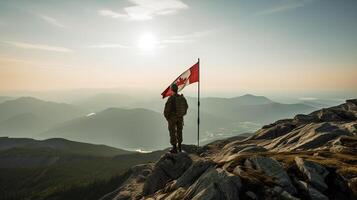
(60, 145)
(137, 124)
(116, 127)
(27, 116)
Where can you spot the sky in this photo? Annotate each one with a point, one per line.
(245, 46)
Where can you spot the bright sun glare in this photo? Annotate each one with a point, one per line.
(147, 42)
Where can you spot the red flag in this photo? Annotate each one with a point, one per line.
(189, 76)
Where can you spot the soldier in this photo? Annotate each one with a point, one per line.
(175, 108)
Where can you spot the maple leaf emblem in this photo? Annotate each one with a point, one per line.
(181, 81)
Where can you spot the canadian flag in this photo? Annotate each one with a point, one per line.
(189, 76)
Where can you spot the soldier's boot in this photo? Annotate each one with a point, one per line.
(174, 149)
(179, 147)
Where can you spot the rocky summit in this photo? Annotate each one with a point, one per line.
(311, 156)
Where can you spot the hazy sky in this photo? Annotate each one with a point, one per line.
(244, 45)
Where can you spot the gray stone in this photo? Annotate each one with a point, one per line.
(272, 167)
(174, 164)
(215, 184)
(312, 192)
(192, 173)
(315, 173)
(278, 192)
(169, 167)
(157, 180)
(212, 192)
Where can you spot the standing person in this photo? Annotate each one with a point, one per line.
(175, 108)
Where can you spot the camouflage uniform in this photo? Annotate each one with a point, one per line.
(175, 108)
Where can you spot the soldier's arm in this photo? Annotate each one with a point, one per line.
(185, 103)
(167, 108)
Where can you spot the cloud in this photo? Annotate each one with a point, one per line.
(110, 13)
(283, 6)
(52, 21)
(158, 44)
(38, 46)
(194, 35)
(176, 39)
(146, 9)
(110, 46)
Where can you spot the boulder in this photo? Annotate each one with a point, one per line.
(279, 193)
(212, 192)
(215, 184)
(314, 172)
(157, 180)
(174, 164)
(192, 173)
(169, 167)
(310, 191)
(271, 167)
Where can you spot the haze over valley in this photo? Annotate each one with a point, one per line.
(134, 123)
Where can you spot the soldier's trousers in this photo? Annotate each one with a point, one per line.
(175, 128)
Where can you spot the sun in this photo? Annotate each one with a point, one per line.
(147, 42)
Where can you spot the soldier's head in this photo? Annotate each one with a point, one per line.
(174, 88)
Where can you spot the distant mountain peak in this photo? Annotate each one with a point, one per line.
(253, 96)
(249, 95)
(27, 98)
(250, 99)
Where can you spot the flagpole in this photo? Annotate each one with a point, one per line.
(198, 105)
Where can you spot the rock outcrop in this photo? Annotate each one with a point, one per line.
(308, 157)
(192, 173)
(314, 172)
(215, 184)
(169, 167)
(311, 192)
(272, 168)
(313, 131)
